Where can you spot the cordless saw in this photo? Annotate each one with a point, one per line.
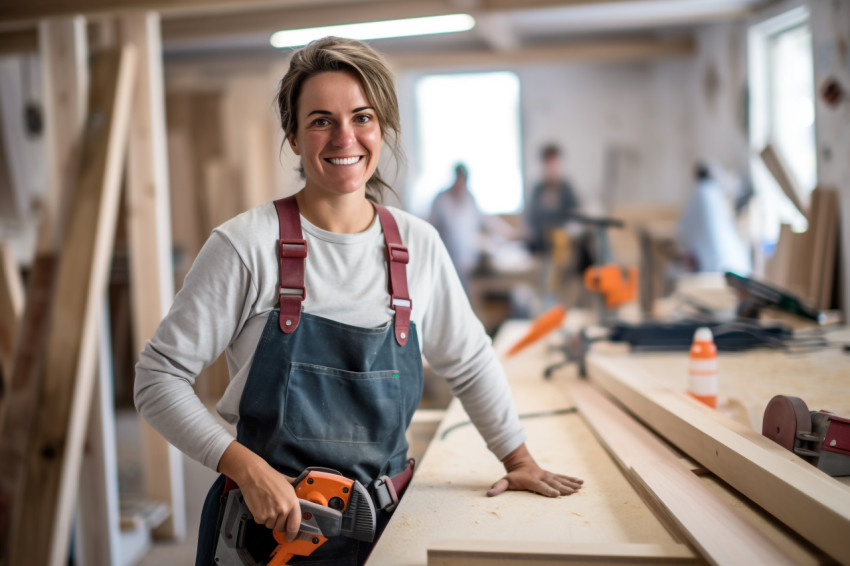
(819, 437)
(331, 505)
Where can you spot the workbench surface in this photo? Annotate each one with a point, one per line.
(446, 501)
(447, 497)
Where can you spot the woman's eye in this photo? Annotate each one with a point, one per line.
(320, 122)
(363, 118)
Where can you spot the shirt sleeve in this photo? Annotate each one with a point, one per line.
(458, 348)
(205, 317)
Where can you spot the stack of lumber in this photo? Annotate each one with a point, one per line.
(643, 502)
(806, 263)
(814, 505)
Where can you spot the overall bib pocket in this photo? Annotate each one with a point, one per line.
(326, 404)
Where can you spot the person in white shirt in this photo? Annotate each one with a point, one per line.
(707, 229)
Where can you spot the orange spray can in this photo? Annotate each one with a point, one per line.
(702, 385)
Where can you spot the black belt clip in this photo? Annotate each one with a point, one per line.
(384, 492)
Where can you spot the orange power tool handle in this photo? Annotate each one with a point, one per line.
(303, 545)
(317, 487)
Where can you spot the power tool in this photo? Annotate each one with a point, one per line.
(331, 505)
(819, 437)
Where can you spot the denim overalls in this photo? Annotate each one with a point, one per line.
(324, 393)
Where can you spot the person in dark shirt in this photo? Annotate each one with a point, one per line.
(552, 200)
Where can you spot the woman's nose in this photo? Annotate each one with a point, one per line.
(343, 135)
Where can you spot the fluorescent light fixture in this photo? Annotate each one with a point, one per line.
(377, 30)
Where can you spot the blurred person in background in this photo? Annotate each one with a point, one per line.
(551, 202)
(707, 231)
(455, 215)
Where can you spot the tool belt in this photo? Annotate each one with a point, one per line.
(387, 491)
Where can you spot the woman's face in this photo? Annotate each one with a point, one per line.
(338, 135)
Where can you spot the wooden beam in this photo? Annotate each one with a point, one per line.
(778, 167)
(11, 310)
(276, 17)
(509, 553)
(24, 11)
(97, 537)
(593, 51)
(529, 4)
(65, 79)
(148, 226)
(808, 501)
(18, 41)
(721, 535)
(41, 532)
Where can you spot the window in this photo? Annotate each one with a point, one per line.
(782, 111)
(474, 119)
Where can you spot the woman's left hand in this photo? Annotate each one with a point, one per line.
(525, 474)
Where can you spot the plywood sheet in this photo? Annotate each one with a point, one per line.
(447, 497)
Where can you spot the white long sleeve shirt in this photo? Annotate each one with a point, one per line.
(233, 286)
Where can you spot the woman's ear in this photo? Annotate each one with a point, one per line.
(293, 143)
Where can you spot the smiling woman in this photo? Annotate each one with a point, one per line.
(324, 304)
(338, 138)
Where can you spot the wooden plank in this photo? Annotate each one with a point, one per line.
(97, 532)
(593, 51)
(21, 398)
(65, 77)
(830, 266)
(446, 499)
(11, 311)
(508, 553)
(41, 532)
(778, 167)
(721, 535)
(808, 501)
(148, 224)
(823, 224)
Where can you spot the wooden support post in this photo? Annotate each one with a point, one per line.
(65, 77)
(808, 501)
(98, 533)
(41, 531)
(11, 310)
(149, 245)
(721, 535)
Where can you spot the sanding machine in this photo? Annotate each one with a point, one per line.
(819, 437)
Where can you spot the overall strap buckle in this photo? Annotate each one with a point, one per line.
(293, 253)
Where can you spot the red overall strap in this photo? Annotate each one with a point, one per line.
(293, 252)
(397, 258)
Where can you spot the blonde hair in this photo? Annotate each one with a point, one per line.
(340, 54)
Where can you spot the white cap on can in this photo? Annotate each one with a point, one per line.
(703, 334)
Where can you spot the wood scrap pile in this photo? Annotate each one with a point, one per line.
(806, 263)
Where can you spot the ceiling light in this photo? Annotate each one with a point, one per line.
(376, 30)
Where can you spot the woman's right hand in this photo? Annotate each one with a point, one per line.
(268, 494)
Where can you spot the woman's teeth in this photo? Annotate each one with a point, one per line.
(344, 160)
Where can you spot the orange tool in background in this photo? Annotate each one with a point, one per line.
(545, 323)
(617, 285)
